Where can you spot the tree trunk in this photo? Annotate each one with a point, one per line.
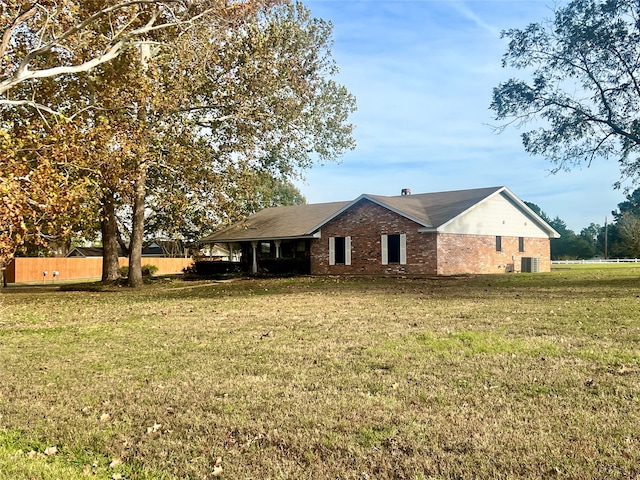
(109, 228)
(137, 229)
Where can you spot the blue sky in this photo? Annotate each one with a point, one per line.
(423, 73)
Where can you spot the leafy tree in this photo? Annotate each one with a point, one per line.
(591, 232)
(628, 227)
(260, 96)
(630, 206)
(195, 116)
(38, 204)
(583, 99)
(623, 233)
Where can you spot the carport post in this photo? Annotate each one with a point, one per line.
(254, 246)
(277, 242)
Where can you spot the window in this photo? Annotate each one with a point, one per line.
(394, 249)
(339, 250)
(498, 244)
(521, 244)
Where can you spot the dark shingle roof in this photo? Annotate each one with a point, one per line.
(431, 210)
(293, 221)
(434, 209)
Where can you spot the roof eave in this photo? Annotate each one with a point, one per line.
(539, 220)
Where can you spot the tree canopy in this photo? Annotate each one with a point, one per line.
(582, 98)
(49, 38)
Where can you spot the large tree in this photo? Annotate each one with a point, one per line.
(582, 99)
(251, 95)
(195, 116)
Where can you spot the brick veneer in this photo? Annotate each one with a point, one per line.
(446, 254)
(459, 254)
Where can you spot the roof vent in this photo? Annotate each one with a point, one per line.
(406, 191)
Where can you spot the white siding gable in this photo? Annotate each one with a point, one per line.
(497, 215)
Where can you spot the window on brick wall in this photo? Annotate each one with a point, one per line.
(498, 243)
(521, 244)
(339, 250)
(394, 249)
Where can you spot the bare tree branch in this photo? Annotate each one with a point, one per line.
(6, 37)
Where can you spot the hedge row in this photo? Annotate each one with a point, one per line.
(208, 268)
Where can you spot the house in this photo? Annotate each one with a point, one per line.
(484, 230)
(90, 252)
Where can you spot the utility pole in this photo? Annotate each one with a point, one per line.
(606, 238)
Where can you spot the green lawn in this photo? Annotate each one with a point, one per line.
(507, 376)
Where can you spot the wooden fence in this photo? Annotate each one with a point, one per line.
(72, 268)
(596, 260)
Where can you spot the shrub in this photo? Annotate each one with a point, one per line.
(285, 266)
(147, 270)
(207, 268)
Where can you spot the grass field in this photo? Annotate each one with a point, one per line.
(510, 376)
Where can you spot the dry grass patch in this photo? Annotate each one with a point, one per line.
(513, 376)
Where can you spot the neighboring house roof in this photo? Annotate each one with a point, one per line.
(432, 211)
(162, 247)
(85, 252)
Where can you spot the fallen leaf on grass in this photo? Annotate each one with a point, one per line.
(217, 471)
(217, 468)
(50, 451)
(116, 462)
(155, 429)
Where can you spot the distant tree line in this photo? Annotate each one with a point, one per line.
(618, 238)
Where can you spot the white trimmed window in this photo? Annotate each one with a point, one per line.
(339, 250)
(394, 249)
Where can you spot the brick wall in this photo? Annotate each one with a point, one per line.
(365, 222)
(456, 254)
(459, 254)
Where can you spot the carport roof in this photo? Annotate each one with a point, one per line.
(295, 221)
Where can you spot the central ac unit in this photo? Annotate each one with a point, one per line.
(530, 265)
